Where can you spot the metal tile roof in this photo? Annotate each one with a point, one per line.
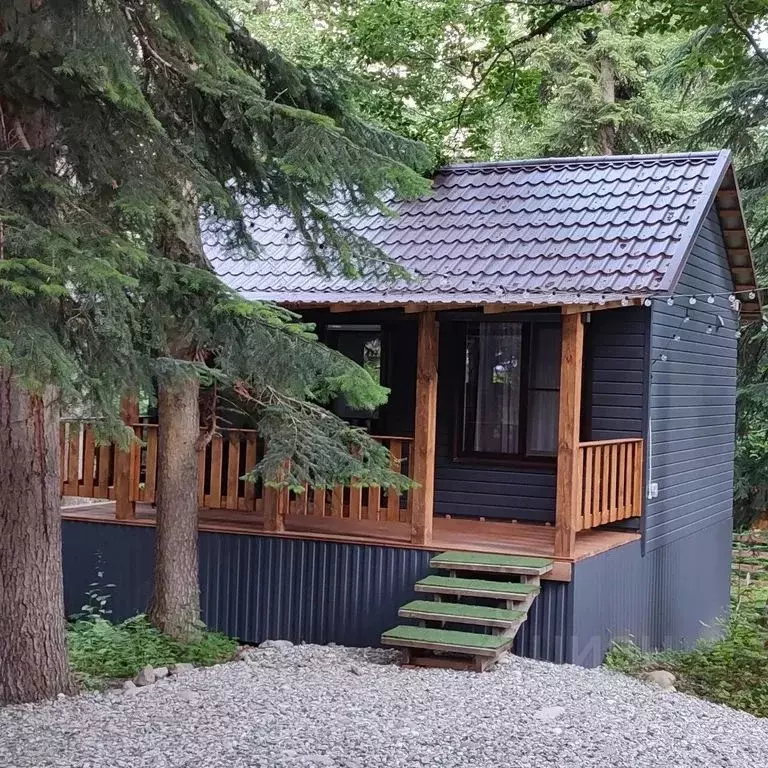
(562, 230)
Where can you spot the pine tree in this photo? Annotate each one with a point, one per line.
(114, 117)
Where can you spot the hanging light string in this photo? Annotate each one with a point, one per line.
(711, 325)
(603, 297)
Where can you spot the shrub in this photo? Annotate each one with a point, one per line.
(732, 670)
(101, 652)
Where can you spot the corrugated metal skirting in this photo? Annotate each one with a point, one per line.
(260, 587)
(670, 598)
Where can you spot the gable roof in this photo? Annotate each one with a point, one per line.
(546, 231)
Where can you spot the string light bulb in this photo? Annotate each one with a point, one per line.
(676, 337)
(664, 358)
(710, 299)
(710, 329)
(647, 302)
(737, 334)
(624, 301)
(692, 300)
(751, 294)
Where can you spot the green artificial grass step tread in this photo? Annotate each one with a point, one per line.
(447, 637)
(448, 559)
(478, 585)
(463, 610)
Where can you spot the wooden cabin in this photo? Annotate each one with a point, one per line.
(562, 366)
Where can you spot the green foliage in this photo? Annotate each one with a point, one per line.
(120, 121)
(644, 114)
(435, 70)
(475, 79)
(101, 652)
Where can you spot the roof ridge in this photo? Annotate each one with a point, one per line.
(712, 154)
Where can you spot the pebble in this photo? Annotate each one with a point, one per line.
(305, 708)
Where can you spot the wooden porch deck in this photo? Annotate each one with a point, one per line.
(448, 533)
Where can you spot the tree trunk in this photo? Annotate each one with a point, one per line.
(607, 135)
(33, 650)
(175, 605)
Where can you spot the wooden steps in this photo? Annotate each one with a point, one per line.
(494, 607)
(499, 590)
(489, 563)
(461, 613)
(446, 640)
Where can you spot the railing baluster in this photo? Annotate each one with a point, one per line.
(318, 502)
(337, 501)
(374, 502)
(73, 468)
(213, 499)
(393, 497)
(355, 501)
(589, 454)
(233, 469)
(250, 463)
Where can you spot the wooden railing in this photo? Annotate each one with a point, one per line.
(611, 481)
(89, 471)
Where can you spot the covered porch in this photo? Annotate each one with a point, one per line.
(595, 485)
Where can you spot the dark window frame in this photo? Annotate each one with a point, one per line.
(521, 458)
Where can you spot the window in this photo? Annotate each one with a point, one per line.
(361, 343)
(510, 389)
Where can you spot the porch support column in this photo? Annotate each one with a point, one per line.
(425, 430)
(125, 501)
(568, 479)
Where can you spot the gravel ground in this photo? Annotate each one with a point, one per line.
(313, 707)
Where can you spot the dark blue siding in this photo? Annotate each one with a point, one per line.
(260, 587)
(615, 371)
(669, 598)
(692, 402)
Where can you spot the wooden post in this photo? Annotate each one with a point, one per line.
(125, 498)
(425, 430)
(568, 475)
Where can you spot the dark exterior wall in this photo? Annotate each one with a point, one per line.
(615, 361)
(692, 403)
(669, 598)
(480, 488)
(260, 587)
